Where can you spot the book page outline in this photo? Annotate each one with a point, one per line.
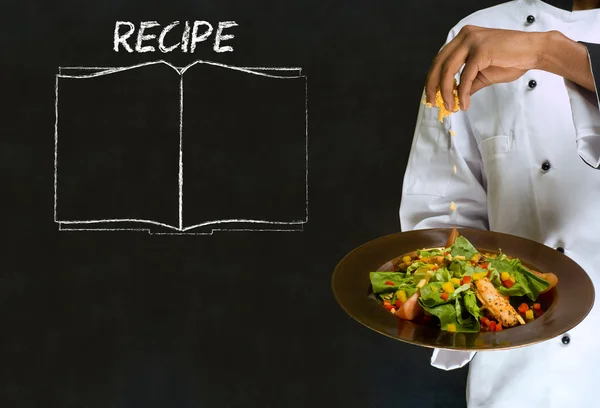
(180, 230)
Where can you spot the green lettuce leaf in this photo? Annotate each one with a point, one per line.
(462, 247)
(457, 267)
(470, 301)
(427, 254)
(536, 284)
(414, 266)
(446, 313)
(431, 294)
(470, 270)
(441, 275)
(399, 279)
(526, 283)
(460, 309)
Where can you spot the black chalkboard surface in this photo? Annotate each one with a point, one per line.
(298, 152)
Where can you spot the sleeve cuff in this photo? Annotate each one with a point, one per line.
(594, 57)
(585, 108)
(450, 359)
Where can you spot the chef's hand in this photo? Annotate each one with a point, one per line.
(492, 56)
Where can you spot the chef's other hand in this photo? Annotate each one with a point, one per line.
(491, 56)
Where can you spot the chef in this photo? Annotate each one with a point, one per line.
(522, 157)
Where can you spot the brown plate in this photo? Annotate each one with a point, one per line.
(569, 302)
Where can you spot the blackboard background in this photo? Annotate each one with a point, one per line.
(243, 319)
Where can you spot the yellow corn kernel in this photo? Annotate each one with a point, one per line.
(451, 327)
(406, 259)
(529, 314)
(475, 258)
(448, 287)
(439, 103)
(401, 295)
(459, 257)
(478, 276)
(456, 281)
(392, 310)
(505, 276)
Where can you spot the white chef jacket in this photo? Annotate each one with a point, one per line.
(525, 154)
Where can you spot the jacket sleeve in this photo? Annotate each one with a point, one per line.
(431, 184)
(585, 108)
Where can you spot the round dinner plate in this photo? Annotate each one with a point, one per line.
(569, 301)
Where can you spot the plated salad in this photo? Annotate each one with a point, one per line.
(462, 289)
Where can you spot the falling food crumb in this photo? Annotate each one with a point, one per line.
(454, 169)
(439, 103)
(452, 206)
(452, 133)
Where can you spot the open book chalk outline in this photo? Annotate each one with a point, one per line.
(75, 225)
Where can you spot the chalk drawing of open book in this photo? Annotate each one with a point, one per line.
(191, 150)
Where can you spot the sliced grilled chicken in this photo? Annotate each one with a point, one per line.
(495, 303)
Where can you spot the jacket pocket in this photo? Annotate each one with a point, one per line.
(495, 146)
(502, 182)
